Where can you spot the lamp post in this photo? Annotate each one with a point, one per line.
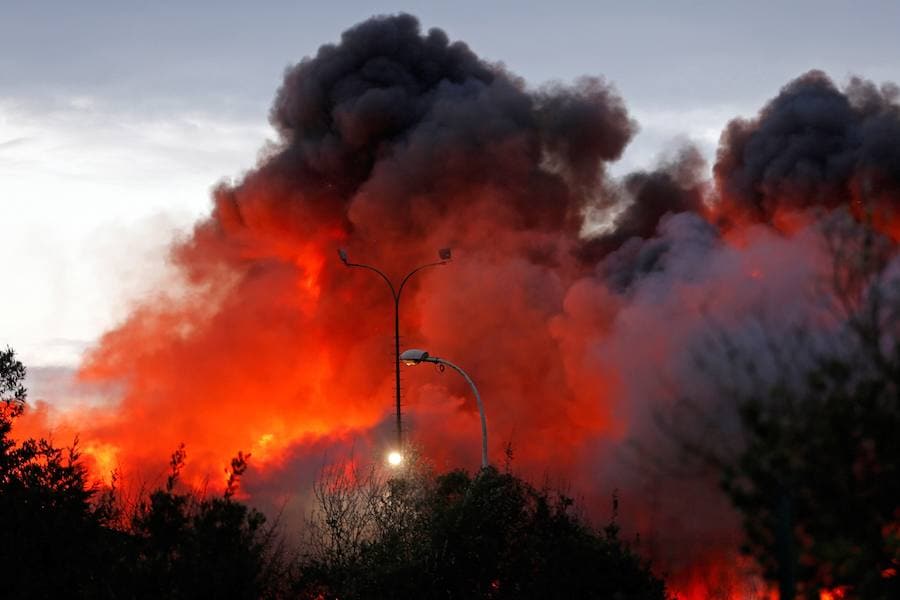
(444, 255)
(415, 356)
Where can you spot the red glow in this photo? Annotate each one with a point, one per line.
(268, 345)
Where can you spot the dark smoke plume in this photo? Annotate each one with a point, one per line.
(396, 128)
(678, 185)
(393, 143)
(813, 145)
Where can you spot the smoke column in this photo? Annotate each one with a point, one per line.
(814, 145)
(394, 143)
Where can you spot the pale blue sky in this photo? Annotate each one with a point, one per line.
(117, 117)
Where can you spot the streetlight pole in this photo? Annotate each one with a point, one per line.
(444, 255)
(415, 356)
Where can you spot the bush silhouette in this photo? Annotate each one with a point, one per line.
(491, 535)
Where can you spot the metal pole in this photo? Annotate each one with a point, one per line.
(397, 367)
(395, 294)
(484, 438)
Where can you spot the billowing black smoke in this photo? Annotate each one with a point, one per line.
(813, 145)
(393, 123)
(678, 185)
(395, 143)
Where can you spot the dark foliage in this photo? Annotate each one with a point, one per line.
(491, 536)
(189, 547)
(66, 538)
(53, 537)
(818, 483)
(12, 377)
(55, 542)
(816, 475)
(414, 536)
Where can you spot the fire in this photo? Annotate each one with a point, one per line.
(263, 448)
(393, 144)
(104, 460)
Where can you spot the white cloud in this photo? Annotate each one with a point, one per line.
(662, 129)
(89, 198)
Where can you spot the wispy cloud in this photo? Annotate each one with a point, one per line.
(89, 192)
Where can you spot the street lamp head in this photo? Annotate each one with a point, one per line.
(413, 356)
(343, 255)
(444, 253)
(394, 458)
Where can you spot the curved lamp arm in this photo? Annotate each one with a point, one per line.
(484, 435)
(416, 356)
(416, 270)
(394, 292)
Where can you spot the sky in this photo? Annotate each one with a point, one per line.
(117, 118)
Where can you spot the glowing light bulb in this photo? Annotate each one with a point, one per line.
(395, 458)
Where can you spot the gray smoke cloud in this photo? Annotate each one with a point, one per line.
(391, 118)
(394, 143)
(675, 186)
(813, 145)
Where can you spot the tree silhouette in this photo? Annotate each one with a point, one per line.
(817, 475)
(64, 537)
(12, 377)
(55, 540)
(189, 546)
(491, 535)
(408, 535)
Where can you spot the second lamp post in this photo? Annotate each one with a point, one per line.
(444, 255)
